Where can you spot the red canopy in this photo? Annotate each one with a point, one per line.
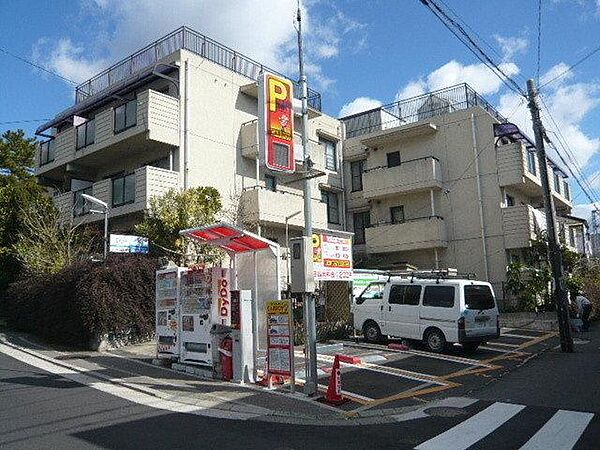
(228, 237)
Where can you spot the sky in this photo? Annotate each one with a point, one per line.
(360, 54)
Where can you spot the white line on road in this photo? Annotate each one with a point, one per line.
(467, 433)
(562, 431)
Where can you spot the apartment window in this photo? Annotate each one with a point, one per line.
(531, 162)
(510, 200)
(440, 296)
(125, 116)
(557, 182)
(393, 159)
(271, 182)
(86, 133)
(361, 221)
(331, 199)
(356, 171)
(47, 151)
(123, 190)
(566, 190)
(330, 155)
(80, 206)
(572, 236)
(397, 214)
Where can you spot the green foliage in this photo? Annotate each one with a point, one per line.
(46, 244)
(528, 285)
(176, 211)
(586, 276)
(18, 191)
(85, 300)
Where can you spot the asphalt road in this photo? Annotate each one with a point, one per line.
(44, 410)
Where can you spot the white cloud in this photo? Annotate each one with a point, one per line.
(262, 29)
(412, 89)
(358, 105)
(556, 70)
(584, 211)
(511, 46)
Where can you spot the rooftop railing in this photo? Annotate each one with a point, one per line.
(414, 109)
(188, 39)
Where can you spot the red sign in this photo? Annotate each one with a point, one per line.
(277, 123)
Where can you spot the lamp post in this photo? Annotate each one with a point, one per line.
(105, 208)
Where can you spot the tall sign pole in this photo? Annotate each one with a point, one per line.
(310, 325)
(560, 293)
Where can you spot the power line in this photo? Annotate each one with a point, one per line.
(37, 66)
(462, 35)
(539, 40)
(570, 68)
(13, 122)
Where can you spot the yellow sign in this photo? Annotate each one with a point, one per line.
(278, 307)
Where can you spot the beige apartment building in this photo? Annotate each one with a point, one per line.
(178, 114)
(428, 184)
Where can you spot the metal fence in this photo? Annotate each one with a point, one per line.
(414, 109)
(188, 39)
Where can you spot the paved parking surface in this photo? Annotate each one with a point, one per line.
(382, 376)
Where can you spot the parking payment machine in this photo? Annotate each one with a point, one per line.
(167, 318)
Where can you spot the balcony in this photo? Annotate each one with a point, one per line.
(410, 176)
(520, 224)
(151, 120)
(414, 234)
(260, 205)
(518, 167)
(143, 184)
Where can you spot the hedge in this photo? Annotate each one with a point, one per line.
(86, 300)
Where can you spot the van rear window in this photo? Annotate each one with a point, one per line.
(479, 297)
(440, 296)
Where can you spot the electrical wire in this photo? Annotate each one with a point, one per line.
(539, 40)
(37, 66)
(571, 67)
(13, 122)
(462, 35)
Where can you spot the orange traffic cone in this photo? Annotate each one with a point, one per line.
(334, 390)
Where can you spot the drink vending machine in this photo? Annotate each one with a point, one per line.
(167, 318)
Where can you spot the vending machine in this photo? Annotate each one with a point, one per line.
(167, 321)
(204, 301)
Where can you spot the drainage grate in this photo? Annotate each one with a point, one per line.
(445, 411)
(73, 356)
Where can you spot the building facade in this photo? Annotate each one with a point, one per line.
(430, 185)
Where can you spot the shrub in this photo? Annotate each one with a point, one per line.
(86, 300)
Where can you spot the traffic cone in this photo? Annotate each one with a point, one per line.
(334, 390)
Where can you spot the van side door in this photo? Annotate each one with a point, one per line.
(440, 309)
(401, 311)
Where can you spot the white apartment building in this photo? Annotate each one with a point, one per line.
(428, 184)
(181, 113)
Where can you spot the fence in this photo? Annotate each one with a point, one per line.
(421, 107)
(188, 39)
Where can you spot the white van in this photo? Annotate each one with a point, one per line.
(437, 311)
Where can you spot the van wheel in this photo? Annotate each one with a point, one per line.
(371, 332)
(470, 347)
(435, 341)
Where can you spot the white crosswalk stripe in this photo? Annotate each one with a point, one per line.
(473, 429)
(562, 431)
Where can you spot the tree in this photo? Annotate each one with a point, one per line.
(176, 211)
(18, 190)
(45, 244)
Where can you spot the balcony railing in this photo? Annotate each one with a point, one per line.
(412, 234)
(188, 39)
(414, 109)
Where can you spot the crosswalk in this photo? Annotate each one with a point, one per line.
(508, 425)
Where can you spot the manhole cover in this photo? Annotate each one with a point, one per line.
(73, 356)
(445, 411)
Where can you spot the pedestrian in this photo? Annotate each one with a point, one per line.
(584, 308)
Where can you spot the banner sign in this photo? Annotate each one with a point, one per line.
(276, 123)
(280, 348)
(332, 257)
(122, 243)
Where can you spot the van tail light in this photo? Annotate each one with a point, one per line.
(461, 323)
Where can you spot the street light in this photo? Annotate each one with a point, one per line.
(104, 205)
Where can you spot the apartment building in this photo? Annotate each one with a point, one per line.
(180, 113)
(429, 184)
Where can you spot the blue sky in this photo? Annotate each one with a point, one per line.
(360, 53)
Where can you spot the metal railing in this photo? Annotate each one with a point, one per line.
(188, 39)
(413, 219)
(414, 109)
(423, 158)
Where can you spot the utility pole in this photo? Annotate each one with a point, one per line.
(310, 325)
(560, 293)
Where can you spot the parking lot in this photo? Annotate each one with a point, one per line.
(386, 375)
